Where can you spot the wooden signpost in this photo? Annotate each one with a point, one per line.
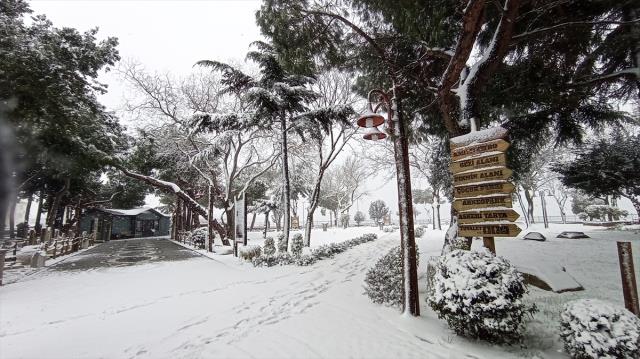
(482, 194)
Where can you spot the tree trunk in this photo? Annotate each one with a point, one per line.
(12, 217)
(433, 217)
(51, 216)
(210, 234)
(439, 221)
(286, 200)
(27, 211)
(529, 197)
(313, 204)
(37, 225)
(411, 302)
(253, 221)
(266, 223)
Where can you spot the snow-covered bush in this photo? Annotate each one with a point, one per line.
(603, 211)
(368, 237)
(296, 245)
(383, 282)
(388, 229)
(583, 216)
(284, 258)
(591, 328)
(264, 261)
(329, 250)
(269, 247)
(282, 245)
(419, 232)
(198, 236)
(249, 252)
(479, 295)
(358, 218)
(305, 260)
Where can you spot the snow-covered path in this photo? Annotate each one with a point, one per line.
(219, 308)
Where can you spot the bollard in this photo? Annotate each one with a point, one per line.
(3, 252)
(490, 244)
(629, 286)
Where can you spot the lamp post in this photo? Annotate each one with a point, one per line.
(395, 128)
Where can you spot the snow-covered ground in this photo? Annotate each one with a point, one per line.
(221, 307)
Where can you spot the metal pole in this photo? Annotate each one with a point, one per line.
(629, 286)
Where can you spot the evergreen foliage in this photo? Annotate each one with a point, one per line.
(383, 282)
(479, 295)
(358, 217)
(296, 245)
(377, 210)
(591, 328)
(269, 247)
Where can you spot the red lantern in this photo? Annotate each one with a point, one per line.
(374, 134)
(370, 119)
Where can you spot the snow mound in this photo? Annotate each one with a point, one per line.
(485, 135)
(592, 328)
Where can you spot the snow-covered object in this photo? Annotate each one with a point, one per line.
(269, 247)
(249, 252)
(479, 295)
(489, 134)
(296, 245)
(199, 236)
(305, 260)
(282, 245)
(388, 229)
(592, 328)
(419, 232)
(383, 282)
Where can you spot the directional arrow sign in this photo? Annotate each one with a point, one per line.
(460, 153)
(498, 200)
(478, 216)
(491, 174)
(489, 160)
(481, 189)
(488, 230)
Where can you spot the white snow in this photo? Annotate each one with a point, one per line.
(224, 307)
(489, 134)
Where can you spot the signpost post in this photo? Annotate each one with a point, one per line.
(482, 194)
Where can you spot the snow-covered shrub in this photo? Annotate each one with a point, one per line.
(269, 247)
(264, 261)
(383, 282)
(198, 236)
(388, 229)
(329, 250)
(249, 252)
(479, 295)
(419, 232)
(583, 216)
(282, 245)
(591, 328)
(603, 211)
(296, 245)
(284, 258)
(305, 260)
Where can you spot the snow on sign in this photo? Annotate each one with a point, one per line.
(484, 188)
(492, 159)
(489, 230)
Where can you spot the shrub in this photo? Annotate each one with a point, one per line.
(282, 245)
(419, 232)
(329, 250)
(249, 252)
(592, 328)
(269, 247)
(264, 261)
(358, 217)
(305, 260)
(383, 282)
(284, 258)
(388, 229)
(199, 236)
(296, 245)
(479, 295)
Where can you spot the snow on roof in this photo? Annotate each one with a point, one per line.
(128, 212)
(492, 133)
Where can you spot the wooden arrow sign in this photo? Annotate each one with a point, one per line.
(492, 174)
(460, 153)
(482, 189)
(491, 160)
(479, 216)
(498, 200)
(488, 230)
